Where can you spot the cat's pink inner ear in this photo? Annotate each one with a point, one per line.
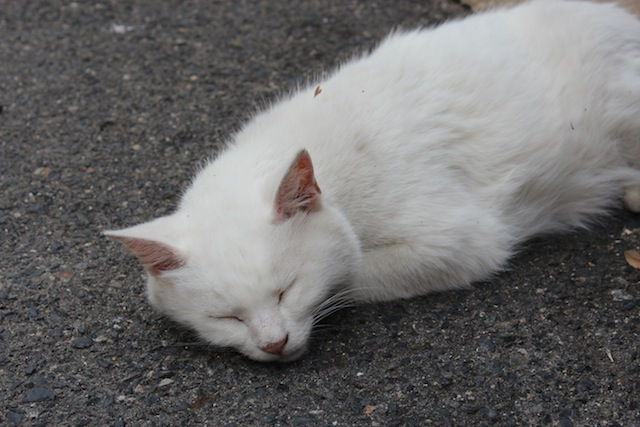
(298, 191)
(156, 257)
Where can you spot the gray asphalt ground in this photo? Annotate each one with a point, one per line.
(107, 107)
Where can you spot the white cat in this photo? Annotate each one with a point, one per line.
(434, 157)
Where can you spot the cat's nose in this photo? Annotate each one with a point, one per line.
(275, 347)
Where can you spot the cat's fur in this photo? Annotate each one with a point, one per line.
(419, 167)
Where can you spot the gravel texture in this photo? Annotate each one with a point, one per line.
(107, 107)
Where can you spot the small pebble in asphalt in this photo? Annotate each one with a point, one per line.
(82, 342)
(38, 394)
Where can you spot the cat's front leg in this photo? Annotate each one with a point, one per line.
(402, 270)
(632, 198)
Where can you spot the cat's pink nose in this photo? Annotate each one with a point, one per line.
(275, 347)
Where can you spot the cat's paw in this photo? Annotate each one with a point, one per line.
(632, 198)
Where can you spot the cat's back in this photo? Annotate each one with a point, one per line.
(533, 26)
(494, 49)
(486, 65)
(472, 87)
(427, 102)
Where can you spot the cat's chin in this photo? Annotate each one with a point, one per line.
(286, 357)
(293, 356)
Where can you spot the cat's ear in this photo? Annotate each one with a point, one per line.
(143, 241)
(298, 191)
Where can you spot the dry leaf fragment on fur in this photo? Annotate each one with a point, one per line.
(317, 91)
(633, 258)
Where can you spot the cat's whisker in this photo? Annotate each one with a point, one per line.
(321, 328)
(327, 313)
(325, 310)
(333, 300)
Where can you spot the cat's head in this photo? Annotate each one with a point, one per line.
(244, 273)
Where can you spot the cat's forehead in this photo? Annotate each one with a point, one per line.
(231, 243)
(234, 258)
(236, 285)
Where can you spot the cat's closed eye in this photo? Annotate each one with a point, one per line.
(232, 318)
(284, 292)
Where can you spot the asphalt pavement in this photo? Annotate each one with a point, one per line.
(107, 108)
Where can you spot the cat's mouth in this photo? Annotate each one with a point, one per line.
(287, 355)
